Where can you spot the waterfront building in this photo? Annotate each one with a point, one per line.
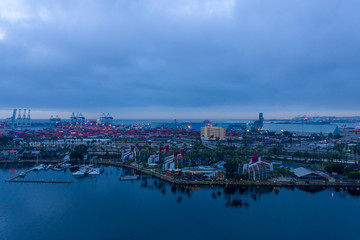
(153, 159)
(13, 154)
(128, 154)
(169, 163)
(204, 172)
(220, 165)
(9, 155)
(212, 133)
(302, 128)
(308, 175)
(257, 168)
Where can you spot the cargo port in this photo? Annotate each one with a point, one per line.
(193, 150)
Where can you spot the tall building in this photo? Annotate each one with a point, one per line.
(259, 123)
(212, 133)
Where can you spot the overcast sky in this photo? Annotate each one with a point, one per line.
(180, 58)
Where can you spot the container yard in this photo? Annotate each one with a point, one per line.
(93, 129)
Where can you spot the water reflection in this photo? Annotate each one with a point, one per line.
(354, 191)
(240, 196)
(312, 189)
(160, 185)
(232, 195)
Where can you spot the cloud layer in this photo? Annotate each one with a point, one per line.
(180, 54)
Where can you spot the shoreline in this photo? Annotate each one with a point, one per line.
(232, 183)
(204, 183)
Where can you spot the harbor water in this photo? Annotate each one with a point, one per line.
(103, 207)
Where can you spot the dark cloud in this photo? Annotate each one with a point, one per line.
(194, 54)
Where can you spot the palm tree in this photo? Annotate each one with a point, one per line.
(355, 150)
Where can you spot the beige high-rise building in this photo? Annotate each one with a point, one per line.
(212, 133)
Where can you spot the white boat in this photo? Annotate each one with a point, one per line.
(130, 177)
(39, 167)
(57, 168)
(80, 173)
(65, 165)
(48, 166)
(94, 171)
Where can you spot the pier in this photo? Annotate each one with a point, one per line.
(20, 174)
(23, 174)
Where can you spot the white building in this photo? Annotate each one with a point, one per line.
(213, 133)
(257, 169)
(169, 163)
(206, 172)
(153, 159)
(128, 154)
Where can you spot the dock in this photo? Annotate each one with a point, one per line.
(23, 174)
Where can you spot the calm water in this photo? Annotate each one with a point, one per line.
(105, 208)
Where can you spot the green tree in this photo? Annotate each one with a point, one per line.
(79, 152)
(354, 175)
(335, 167)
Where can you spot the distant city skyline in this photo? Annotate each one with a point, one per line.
(45, 114)
(180, 58)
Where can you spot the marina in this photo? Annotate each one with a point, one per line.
(80, 171)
